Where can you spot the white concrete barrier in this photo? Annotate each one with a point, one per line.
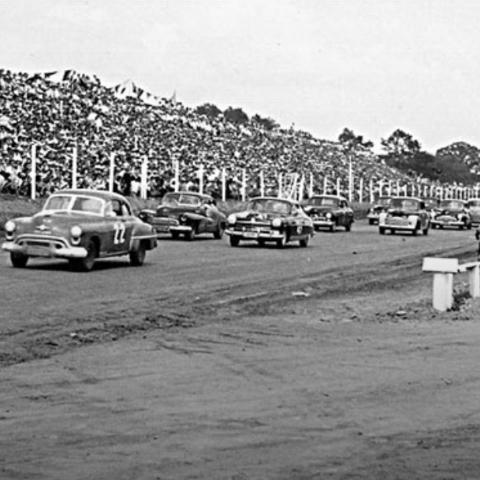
(443, 270)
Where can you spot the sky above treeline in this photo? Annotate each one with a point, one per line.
(370, 65)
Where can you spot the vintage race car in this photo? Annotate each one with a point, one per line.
(268, 219)
(80, 226)
(451, 213)
(187, 214)
(329, 211)
(473, 206)
(381, 205)
(406, 214)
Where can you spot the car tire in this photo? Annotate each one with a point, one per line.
(348, 226)
(281, 242)
(381, 230)
(19, 260)
(175, 235)
(218, 234)
(371, 221)
(86, 264)
(137, 257)
(190, 235)
(469, 226)
(304, 241)
(392, 231)
(234, 241)
(333, 228)
(425, 230)
(261, 243)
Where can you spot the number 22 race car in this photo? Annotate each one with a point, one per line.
(80, 226)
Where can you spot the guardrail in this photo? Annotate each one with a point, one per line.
(443, 270)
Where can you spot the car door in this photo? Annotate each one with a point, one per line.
(121, 226)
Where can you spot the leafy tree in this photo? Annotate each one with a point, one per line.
(349, 139)
(208, 109)
(235, 115)
(267, 123)
(400, 143)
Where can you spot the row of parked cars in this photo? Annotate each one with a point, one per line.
(414, 214)
(83, 225)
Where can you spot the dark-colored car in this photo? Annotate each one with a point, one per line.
(268, 219)
(451, 213)
(406, 214)
(188, 214)
(329, 211)
(80, 226)
(381, 205)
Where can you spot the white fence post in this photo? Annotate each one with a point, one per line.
(244, 185)
(112, 172)
(224, 184)
(143, 179)
(310, 187)
(262, 184)
(325, 185)
(33, 173)
(338, 186)
(360, 190)
(200, 178)
(176, 173)
(280, 185)
(371, 192)
(74, 167)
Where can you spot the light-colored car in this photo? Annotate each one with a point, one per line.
(406, 214)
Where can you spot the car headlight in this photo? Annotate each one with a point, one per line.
(75, 231)
(232, 219)
(277, 222)
(10, 226)
(328, 215)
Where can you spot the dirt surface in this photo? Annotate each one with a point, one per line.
(213, 362)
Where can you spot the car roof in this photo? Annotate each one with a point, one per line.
(102, 194)
(184, 192)
(338, 197)
(408, 198)
(288, 200)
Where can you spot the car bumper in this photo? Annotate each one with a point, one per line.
(180, 229)
(447, 223)
(45, 251)
(273, 235)
(323, 223)
(400, 227)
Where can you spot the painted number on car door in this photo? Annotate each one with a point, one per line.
(118, 233)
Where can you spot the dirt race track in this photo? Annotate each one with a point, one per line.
(212, 362)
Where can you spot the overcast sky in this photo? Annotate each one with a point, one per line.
(370, 65)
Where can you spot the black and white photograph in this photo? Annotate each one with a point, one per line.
(239, 240)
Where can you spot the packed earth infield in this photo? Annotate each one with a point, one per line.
(212, 362)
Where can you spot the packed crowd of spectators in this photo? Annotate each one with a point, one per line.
(78, 111)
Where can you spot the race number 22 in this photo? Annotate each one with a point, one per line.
(118, 233)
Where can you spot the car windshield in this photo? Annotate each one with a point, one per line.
(173, 199)
(474, 203)
(58, 202)
(451, 204)
(74, 203)
(404, 203)
(269, 205)
(384, 201)
(323, 201)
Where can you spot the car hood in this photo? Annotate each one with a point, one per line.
(315, 209)
(450, 211)
(167, 211)
(52, 222)
(402, 213)
(250, 215)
